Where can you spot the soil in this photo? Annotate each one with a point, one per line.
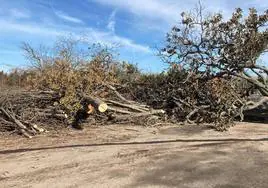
(133, 156)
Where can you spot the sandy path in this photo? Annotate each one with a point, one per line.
(93, 158)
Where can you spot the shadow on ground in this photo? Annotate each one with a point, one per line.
(217, 165)
(22, 150)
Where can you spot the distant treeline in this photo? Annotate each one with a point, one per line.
(15, 78)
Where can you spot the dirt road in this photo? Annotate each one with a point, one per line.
(125, 156)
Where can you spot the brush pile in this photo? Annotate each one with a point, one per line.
(33, 112)
(68, 89)
(25, 112)
(150, 100)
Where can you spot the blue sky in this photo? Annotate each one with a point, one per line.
(139, 26)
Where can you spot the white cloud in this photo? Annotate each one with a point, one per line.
(79, 32)
(30, 28)
(155, 9)
(164, 13)
(111, 39)
(124, 42)
(160, 15)
(112, 22)
(68, 18)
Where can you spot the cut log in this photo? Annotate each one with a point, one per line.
(90, 109)
(35, 127)
(38, 128)
(96, 103)
(103, 107)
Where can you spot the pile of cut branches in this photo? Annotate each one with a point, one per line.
(25, 112)
(33, 112)
(192, 99)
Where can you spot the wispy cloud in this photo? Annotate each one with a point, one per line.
(111, 39)
(165, 10)
(30, 28)
(168, 11)
(79, 32)
(19, 14)
(68, 18)
(135, 25)
(112, 22)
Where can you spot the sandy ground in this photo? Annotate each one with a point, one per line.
(129, 156)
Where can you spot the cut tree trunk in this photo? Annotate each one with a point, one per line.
(96, 103)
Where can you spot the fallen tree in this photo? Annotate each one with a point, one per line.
(221, 51)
